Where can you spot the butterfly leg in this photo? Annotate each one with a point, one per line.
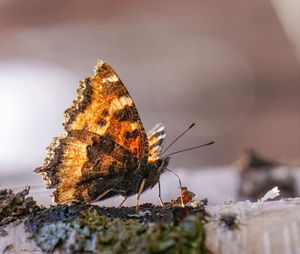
(124, 199)
(181, 196)
(180, 186)
(140, 192)
(102, 195)
(159, 194)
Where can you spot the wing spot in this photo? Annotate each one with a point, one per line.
(134, 134)
(127, 135)
(102, 122)
(125, 100)
(112, 78)
(126, 114)
(105, 112)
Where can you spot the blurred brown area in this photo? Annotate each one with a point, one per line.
(258, 175)
(229, 66)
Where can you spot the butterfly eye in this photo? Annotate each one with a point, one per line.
(159, 163)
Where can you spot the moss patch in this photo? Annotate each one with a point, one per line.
(92, 232)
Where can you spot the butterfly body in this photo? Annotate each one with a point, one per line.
(105, 150)
(125, 184)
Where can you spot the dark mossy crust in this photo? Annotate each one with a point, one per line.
(94, 229)
(15, 205)
(147, 214)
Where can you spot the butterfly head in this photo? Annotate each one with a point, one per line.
(154, 170)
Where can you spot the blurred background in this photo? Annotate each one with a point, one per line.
(233, 67)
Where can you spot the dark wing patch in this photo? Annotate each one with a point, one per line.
(72, 165)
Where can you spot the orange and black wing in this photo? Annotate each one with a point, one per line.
(104, 106)
(104, 136)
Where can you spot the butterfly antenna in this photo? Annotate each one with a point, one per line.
(192, 148)
(191, 126)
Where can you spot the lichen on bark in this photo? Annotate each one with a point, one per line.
(14, 206)
(92, 232)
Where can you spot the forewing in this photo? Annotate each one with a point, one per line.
(104, 106)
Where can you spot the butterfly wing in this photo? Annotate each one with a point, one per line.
(104, 106)
(156, 138)
(66, 156)
(104, 136)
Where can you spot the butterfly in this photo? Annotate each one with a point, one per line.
(104, 150)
